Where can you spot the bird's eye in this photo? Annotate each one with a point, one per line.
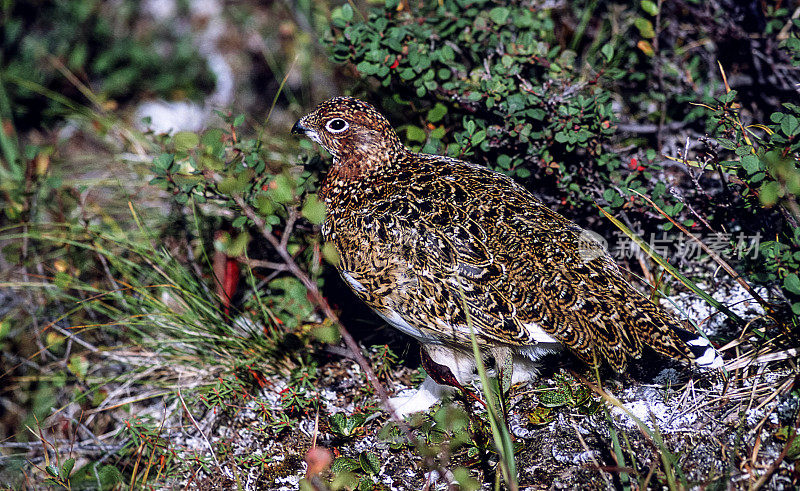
(336, 125)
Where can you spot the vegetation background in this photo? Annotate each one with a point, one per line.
(169, 315)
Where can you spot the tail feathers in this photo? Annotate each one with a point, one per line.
(705, 355)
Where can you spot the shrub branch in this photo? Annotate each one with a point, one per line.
(322, 303)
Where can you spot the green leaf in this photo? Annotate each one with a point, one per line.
(447, 54)
(470, 126)
(338, 423)
(211, 162)
(729, 97)
(727, 144)
(109, 476)
(792, 283)
(751, 163)
(344, 464)
(338, 16)
(66, 468)
(239, 222)
(265, 205)
(650, 7)
(282, 189)
(465, 480)
(5, 327)
(645, 27)
(330, 253)
(540, 415)
(347, 12)
(238, 120)
(79, 366)
(553, 398)
(776, 117)
(313, 209)
(212, 137)
(608, 51)
(367, 68)
(163, 161)
(790, 125)
(499, 15)
(237, 247)
(369, 463)
(437, 112)
(227, 185)
(186, 140)
(769, 193)
(326, 334)
(415, 133)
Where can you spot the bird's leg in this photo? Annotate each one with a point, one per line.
(447, 368)
(442, 375)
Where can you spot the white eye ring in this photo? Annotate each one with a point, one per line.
(336, 125)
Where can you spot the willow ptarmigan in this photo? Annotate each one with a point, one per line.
(429, 242)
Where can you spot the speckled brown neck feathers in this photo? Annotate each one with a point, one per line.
(429, 242)
(365, 152)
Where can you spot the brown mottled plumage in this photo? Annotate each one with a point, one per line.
(428, 240)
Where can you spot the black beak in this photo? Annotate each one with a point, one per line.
(298, 129)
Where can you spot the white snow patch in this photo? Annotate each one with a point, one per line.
(329, 399)
(753, 417)
(166, 117)
(735, 297)
(292, 482)
(649, 406)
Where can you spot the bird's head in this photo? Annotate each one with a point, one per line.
(354, 132)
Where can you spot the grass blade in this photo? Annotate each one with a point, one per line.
(716, 257)
(500, 434)
(671, 269)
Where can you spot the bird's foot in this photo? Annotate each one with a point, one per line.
(421, 399)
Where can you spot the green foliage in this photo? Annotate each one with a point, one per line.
(495, 71)
(383, 360)
(765, 160)
(566, 394)
(347, 426)
(106, 46)
(360, 472)
(571, 394)
(218, 167)
(91, 476)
